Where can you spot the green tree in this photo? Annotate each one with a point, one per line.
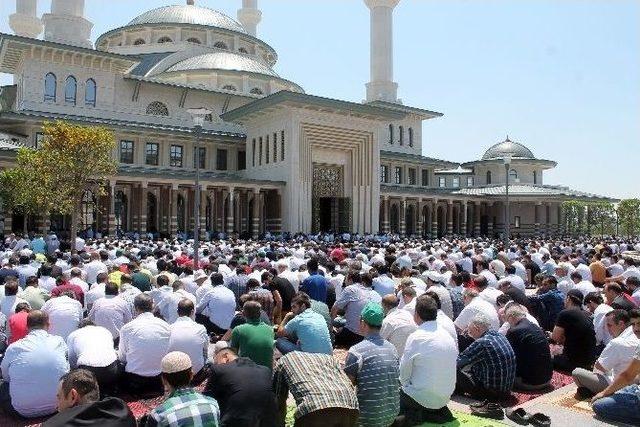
(629, 217)
(72, 160)
(574, 213)
(602, 218)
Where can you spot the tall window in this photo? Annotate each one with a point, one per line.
(50, 83)
(253, 152)
(267, 151)
(275, 147)
(397, 176)
(151, 151)
(242, 160)
(410, 137)
(391, 133)
(488, 177)
(175, 156)
(70, 90)
(535, 177)
(516, 221)
(425, 177)
(126, 151)
(411, 177)
(513, 175)
(90, 93)
(221, 159)
(401, 132)
(469, 181)
(456, 182)
(256, 91)
(202, 159)
(260, 152)
(282, 145)
(442, 182)
(384, 173)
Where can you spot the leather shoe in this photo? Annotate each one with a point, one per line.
(518, 416)
(491, 410)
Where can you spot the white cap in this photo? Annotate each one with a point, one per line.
(176, 361)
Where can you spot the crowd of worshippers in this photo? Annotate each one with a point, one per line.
(226, 341)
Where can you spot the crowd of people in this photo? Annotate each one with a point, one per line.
(229, 338)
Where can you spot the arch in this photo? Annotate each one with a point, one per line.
(152, 213)
(70, 90)
(442, 221)
(410, 220)
(157, 108)
(194, 40)
(220, 45)
(181, 213)
(243, 50)
(425, 218)
(138, 42)
(513, 175)
(535, 177)
(229, 87)
(256, 91)
(50, 84)
(165, 39)
(488, 177)
(394, 218)
(90, 93)
(88, 211)
(121, 212)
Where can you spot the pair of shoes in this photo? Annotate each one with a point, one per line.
(479, 404)
(490, 410)
(522, 417)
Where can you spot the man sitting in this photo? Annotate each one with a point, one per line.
(529, 343)
(323, 394)
(111, 311)
(616, 298)
(31, 369)
(613, 360)
(216, 308)
(65, 314)
(78, 404)
(184, 406)
(303, 329)
(254, 339)
(397, 325)
(487, 368)
(427, 369)
(242, 388)
(547, 303)
(190, 337)
(143, 343)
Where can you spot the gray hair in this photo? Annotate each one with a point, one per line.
(515, 310)
(481, 321)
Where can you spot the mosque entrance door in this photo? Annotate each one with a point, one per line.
(331, 211)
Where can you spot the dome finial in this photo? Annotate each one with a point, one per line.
(507, 140)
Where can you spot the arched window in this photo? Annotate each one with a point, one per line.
(165, 39)
(208, 117)
(220, 45)
(229, 87)
(194, 40)
(488, 177)
(138, 42)
(513, 175)
(390, 133)
(157, 108)
(535, 177)
(401, 136)
(243, 50)
(70, 89)
(50, 83)
(410, 137)
(90, 93)
(256, 91)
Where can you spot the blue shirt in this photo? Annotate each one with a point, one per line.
(374, 364)
(384, 285)
(552, 304)
(492, 360)
(315, 286)
(311, 330)
(33, 366)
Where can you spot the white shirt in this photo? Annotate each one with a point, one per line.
(565, 284)
(111, 312)
(81, 283)
(585, 287)
(95, 293)
(33, 366)
(8, 305)
(91, 346)
(219, 305)
(491, 295)
(477, 305)
(47, 283)
(168, 307)
(631, 271)
(143, 343)
(491, 278)
(506, 325)
(65, 315)
(600, 323)
(158, 294)
(396, 327)
(94, 268)
(515, 280)
(447, 324)
(292, 278)
(617, 355)
(445, 299)
(428, 366)
(191, 338)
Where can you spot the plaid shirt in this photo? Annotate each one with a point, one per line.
(457, 301)
(316, 382)
(492, 360)
(238, 284)
(186, 407)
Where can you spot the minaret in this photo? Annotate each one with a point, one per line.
(66, 23)
(249, 16)
(382, 87)
(25, 21)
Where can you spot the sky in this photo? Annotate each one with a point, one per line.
(560, 76)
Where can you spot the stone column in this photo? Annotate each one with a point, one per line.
(112, 209)
(536, 214)
(490, 224)
(403, 213)
(434, 219)
(275, 223)
(230, 211)
(203, 214)
(476, 217)
(143, 209)
(463, 224)
(385, 214)
(173, 212)
(419, 218)
(449, 217)
(255, 213)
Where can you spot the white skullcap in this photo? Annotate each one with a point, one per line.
(176, 361)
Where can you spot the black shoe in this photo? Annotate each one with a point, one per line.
(492, 410)
(479, 404)
(583, 393)
(518, 416)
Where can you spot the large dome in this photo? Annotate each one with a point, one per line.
(508, 148)
(188, 14)
(222, 61)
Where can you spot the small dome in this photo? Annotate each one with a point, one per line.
(508, 148)
(188, 14)
(223, 61)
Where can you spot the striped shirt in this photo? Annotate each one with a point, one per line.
(316, 382)
(375, 366)
(492, 360)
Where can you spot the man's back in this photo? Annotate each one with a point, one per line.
(533, 357)
(186, 407)
(397, 326)
(254, 340)
(33, 366)
(65, 315)
(143, 343)
(191, 338)
(315, 286)
(580, 336)
(492, 361)
(311, 330)
(111, 312)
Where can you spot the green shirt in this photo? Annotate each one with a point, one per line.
(255, 341)
(141, 281)
(36, 297)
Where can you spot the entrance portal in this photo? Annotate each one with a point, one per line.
(331, 211)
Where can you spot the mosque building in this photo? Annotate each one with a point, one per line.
(272, 157)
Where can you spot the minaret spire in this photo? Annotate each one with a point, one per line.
(250, 16)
